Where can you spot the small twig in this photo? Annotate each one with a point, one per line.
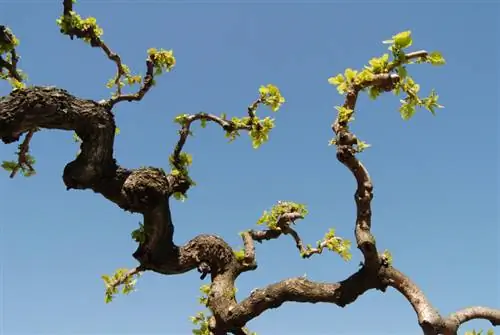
(10, 68)
(145, 87)
(284, 229)
(184, 132)
(7, 38)
(22, 160)
(408, 56)
(97, 42)
(123, 279)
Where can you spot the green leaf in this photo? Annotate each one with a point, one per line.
(270, 218)
(337, 80)
(271, 96)
(181, 119)
(163, 60)
(239, 254)
(388, 256)
(402, 40)
(407, 110)
(373, 92)
(344, 114)
(364, 76)
(401, 70)
(203, 123)
(139, 235)
(108, 298)
(9, 165)
(435, 58)
(378, 65)
(76, 138)
(179, 196)
(361, 146)
(350, 74)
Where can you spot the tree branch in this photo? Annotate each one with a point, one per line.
(88, 33)
(186, 122)
(345, 141)
(428, 316)
(454, 320)
(228, 125)
(301, 290)
(147, 83)
(24, 160)
(144, 190)
(8, 42)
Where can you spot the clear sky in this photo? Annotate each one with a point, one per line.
(435, 178)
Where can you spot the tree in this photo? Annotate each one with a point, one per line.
(147, 190)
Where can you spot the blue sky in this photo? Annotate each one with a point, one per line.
(435, 178)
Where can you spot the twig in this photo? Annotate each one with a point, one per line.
(119, 281)
(22, 159)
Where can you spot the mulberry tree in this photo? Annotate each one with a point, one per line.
(148, 190)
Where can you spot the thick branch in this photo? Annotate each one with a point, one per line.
(144, 190)
(453, 321)
(346, 155)
(426, 313)
(301, 290)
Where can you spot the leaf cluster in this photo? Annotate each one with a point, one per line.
(129, 78)
(139, 234)
(259, 129)
(180, 168)
(72, 23)
(200, 320)
(25, 161)
(333, 243)
(272, 217)
(25, 166)
(120, 276)
(9, 58)
(163, 60)
(271, 96)
(383, 65)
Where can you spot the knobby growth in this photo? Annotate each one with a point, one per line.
(147, 190)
